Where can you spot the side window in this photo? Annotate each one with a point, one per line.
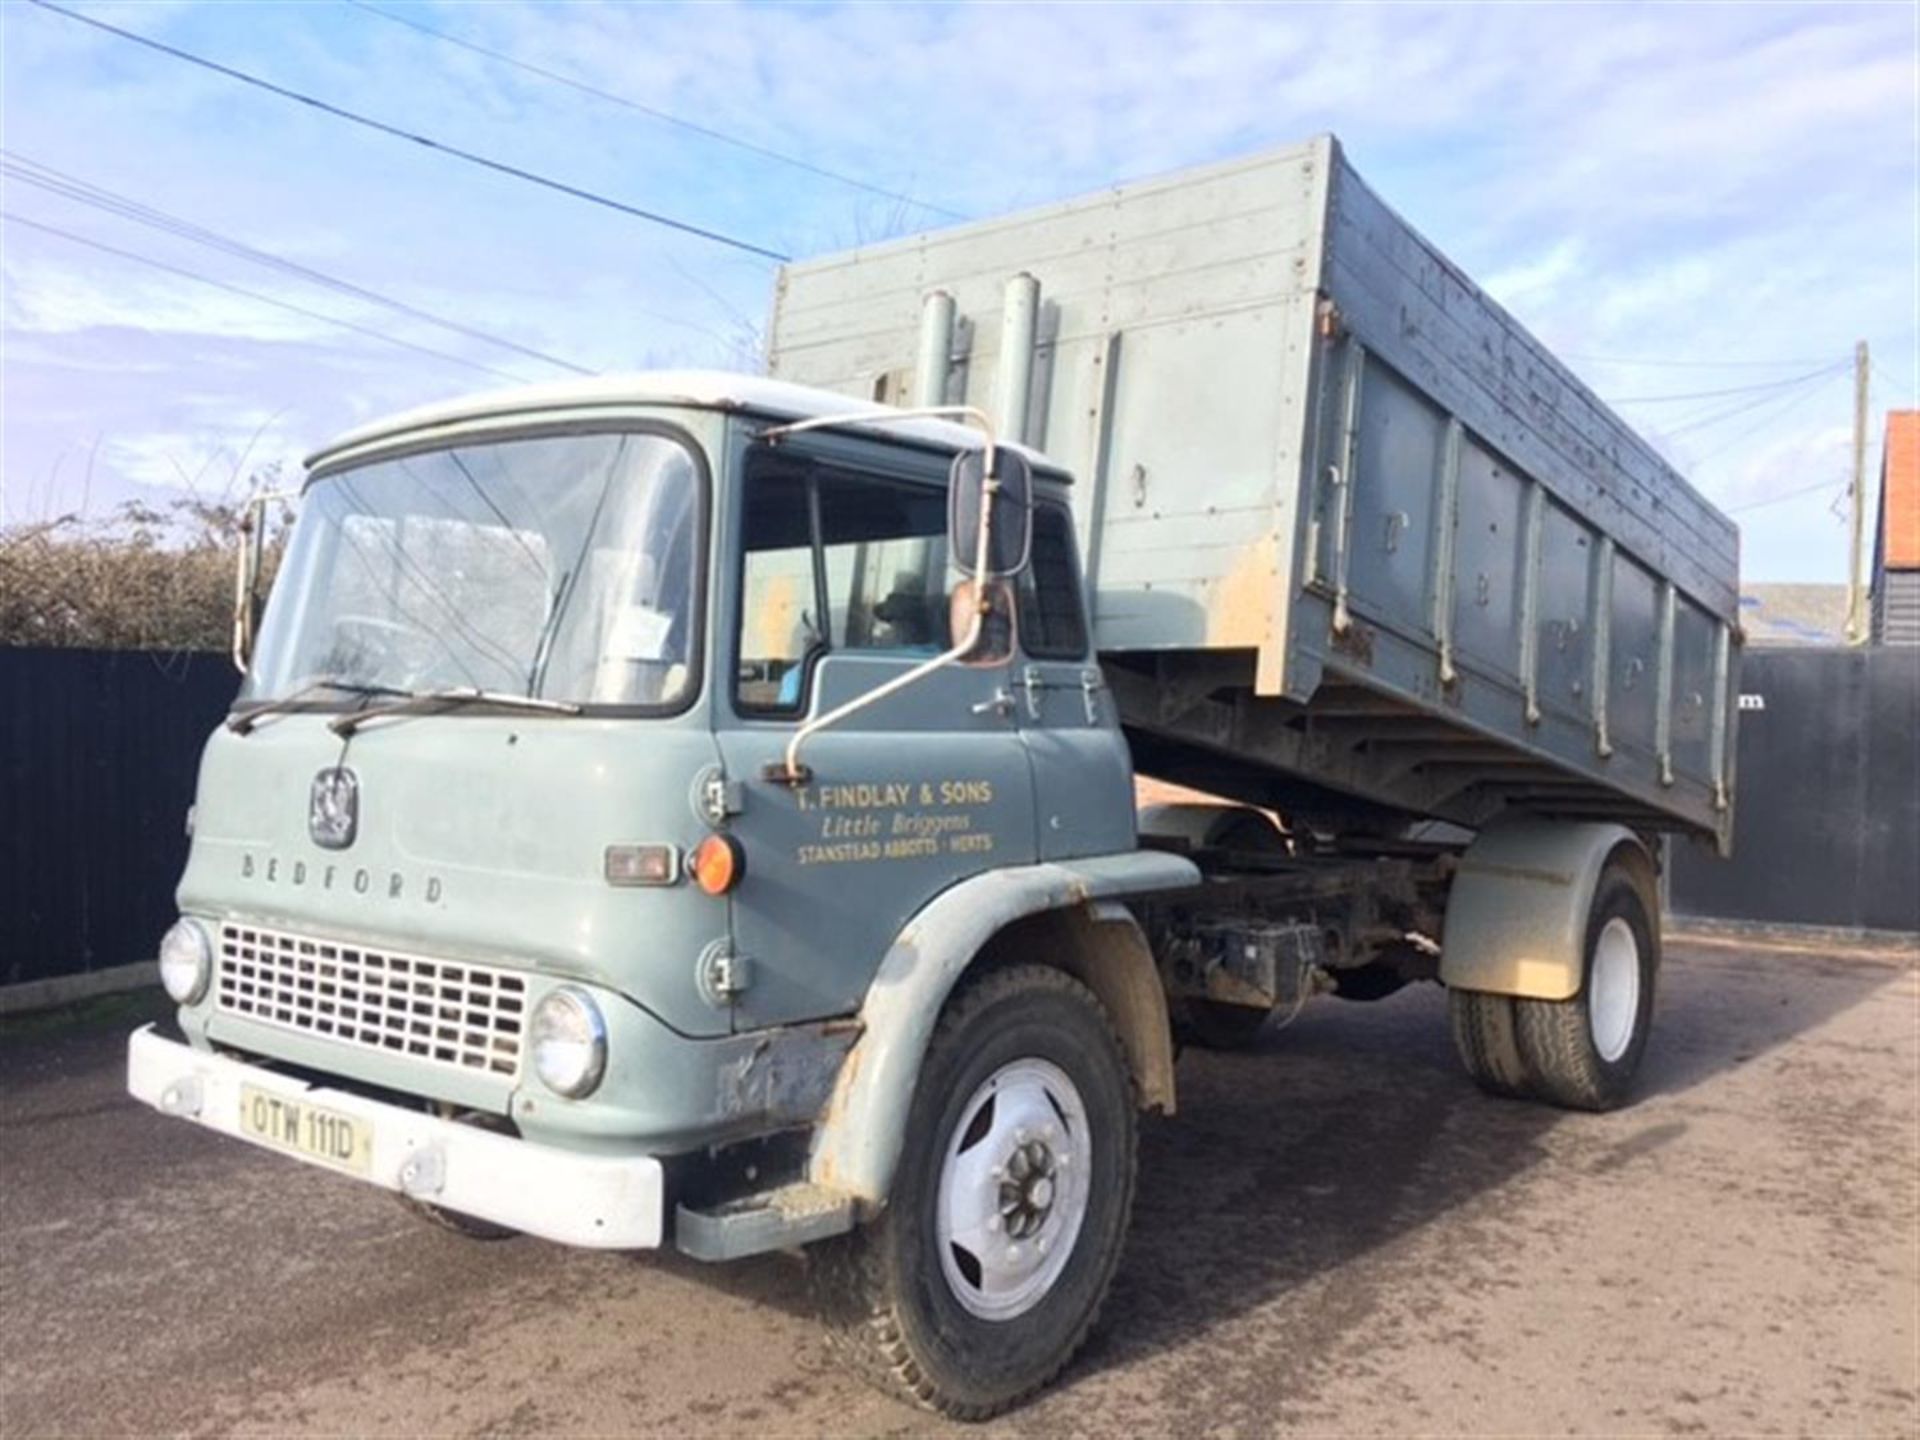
(834, 561)
(1052, 623)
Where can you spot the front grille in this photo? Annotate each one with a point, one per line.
(466, 1016)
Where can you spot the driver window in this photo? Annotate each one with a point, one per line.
(836, 562)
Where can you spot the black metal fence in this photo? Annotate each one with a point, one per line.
(98, 750)
(1827, 823)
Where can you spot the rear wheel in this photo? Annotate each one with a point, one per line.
(983, 1275)
(1583, 1052)
(1483, 1033)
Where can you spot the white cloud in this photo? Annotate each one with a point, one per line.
(213, 463)
(49, 297)
(1530, 279)
(1645, 181)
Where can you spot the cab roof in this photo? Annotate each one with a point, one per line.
(699, 389)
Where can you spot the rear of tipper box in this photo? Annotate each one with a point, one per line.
(1355, 542)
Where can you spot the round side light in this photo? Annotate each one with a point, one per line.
(719, 864)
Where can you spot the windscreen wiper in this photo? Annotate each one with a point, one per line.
(242, 721)
(344, 725)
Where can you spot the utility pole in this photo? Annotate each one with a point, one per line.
(1857, 518)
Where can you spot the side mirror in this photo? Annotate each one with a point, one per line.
(990, 538)
(246, 578)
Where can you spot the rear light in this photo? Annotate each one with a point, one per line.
(718, 864)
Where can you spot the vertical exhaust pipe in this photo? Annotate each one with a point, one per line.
(931, 370)
(1019, 325)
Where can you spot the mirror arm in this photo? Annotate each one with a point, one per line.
(789, 770)
(886, 415)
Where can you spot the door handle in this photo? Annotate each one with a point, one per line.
(1001, 704)
(1033, 682)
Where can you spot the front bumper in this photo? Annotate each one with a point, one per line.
(605, 1202)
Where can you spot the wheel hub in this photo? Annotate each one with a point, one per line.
(1014, 1189)
(1026, 1194)
(1613, 990)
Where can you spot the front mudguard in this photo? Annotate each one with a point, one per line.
(857, 1144)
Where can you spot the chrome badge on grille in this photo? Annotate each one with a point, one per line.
(333, 808)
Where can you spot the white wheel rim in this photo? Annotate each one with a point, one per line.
(1013, 1189)
(1613, 989)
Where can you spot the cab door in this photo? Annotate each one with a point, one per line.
(841, 584)
(1082, 769)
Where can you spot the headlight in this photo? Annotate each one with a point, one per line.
(569, 1042)
(186, 961)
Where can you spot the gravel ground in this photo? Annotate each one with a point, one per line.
(1338, 1234)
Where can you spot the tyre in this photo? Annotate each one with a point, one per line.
(1212, 1025)
(1582, 1053)
(468, 1227)
(987, 1268)
(1483, 1033)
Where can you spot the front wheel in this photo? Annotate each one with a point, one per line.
(985, 1272)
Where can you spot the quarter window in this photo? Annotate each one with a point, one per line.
(1052, 623)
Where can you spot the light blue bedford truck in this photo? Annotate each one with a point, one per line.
(698, 810)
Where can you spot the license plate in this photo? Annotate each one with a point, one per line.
(342, 1141)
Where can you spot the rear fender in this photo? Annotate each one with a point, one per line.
(1516, 921)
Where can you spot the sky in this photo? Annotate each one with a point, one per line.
(1700, 207)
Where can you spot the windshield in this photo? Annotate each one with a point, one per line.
(560, 567)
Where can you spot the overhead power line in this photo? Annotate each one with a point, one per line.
(1786, 405)
(1658, 362)
(1827, 369)
(1888, 373)
(665, 116)
(1715, 416)
(439, 147)
(255, 295)
(1789, 495)
(32, 172)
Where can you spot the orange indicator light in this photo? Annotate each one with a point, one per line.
(719, 864)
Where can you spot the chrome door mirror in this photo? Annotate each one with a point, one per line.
(990, 512)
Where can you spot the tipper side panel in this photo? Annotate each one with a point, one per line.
(1488, 542)
(1169, 367)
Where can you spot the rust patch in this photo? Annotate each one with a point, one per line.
(787, 1075)
(1357, 641)
(1240, 610)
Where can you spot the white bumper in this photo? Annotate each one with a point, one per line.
(605, 1202)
